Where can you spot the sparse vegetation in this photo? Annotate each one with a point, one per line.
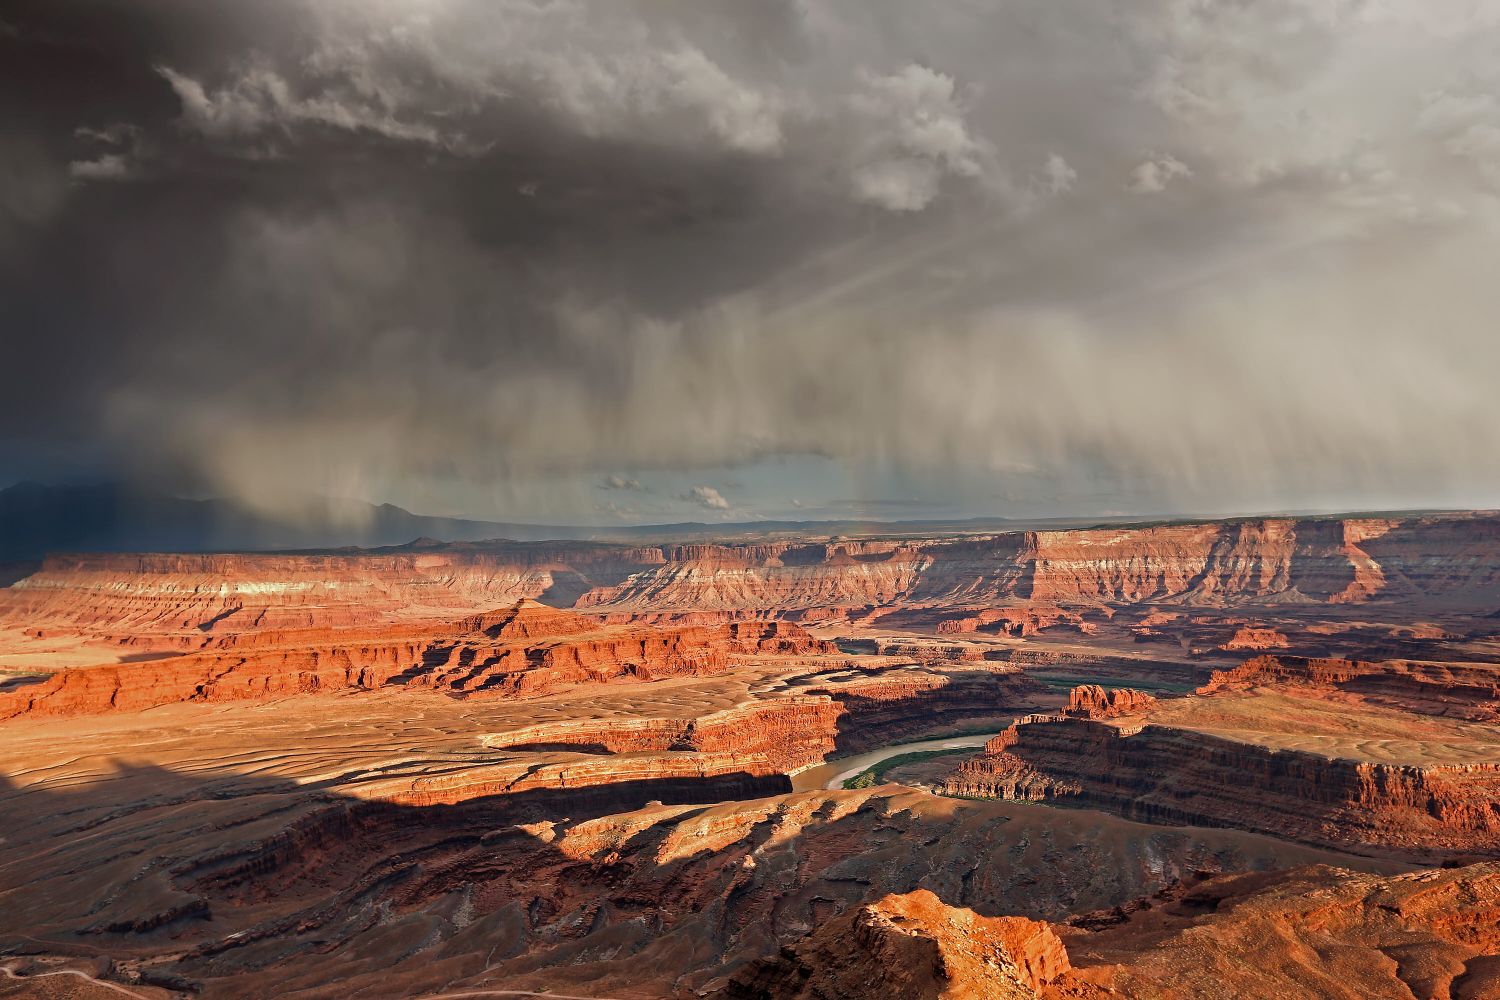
(1066, 682)
(875, 773)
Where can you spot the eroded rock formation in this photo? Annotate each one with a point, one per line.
(253, 887)
(1251, 637)
(524, 650)
(771, 737)
(1091, 701)
(1169, 775)
(1451, 560)
(1462, 690)
(910, 947)
(1336, 934)
(501, 808)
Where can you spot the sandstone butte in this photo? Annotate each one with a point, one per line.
(1250, 637)
(1093, 701)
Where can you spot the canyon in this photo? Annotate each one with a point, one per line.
(443, 769)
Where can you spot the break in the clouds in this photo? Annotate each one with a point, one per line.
(478, 255)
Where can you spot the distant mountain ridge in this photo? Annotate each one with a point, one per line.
(37, 519)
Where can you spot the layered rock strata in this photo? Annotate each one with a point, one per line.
(1091, 701)
(1450, 561)
(773, 737)
(525, 650)
(1168, 775)
(1461, 690)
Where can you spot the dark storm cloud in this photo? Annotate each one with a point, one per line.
(1208, 255)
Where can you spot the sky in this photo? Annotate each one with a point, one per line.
(637, 261)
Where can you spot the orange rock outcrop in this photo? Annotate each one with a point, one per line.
(1250, 637)
(1309, 932)
(1091, 701)
(910, 947)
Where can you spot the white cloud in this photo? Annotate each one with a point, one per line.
(916, 135)
(120, 160)
(905, 185)
(108, 166)
(706, 497)
(1480, 144)
(1153, 176)
(743, 117)
(1059, 175)
(258, 100)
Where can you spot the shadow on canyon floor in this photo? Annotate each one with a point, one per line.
(249, 886)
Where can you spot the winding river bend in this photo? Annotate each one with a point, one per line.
(833, 773)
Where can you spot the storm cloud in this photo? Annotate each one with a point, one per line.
(483, 256)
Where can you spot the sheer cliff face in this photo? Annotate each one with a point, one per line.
(151, 593)
(1453, 561)
(1178, 776)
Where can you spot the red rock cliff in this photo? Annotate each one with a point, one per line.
(1451, 560)
(1177, 776)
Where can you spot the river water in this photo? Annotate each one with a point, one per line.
(833, 773)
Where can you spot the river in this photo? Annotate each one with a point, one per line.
(833, 773)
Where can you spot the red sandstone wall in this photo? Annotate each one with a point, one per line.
(1451, 559)
(459, 658)
(1167, 775)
